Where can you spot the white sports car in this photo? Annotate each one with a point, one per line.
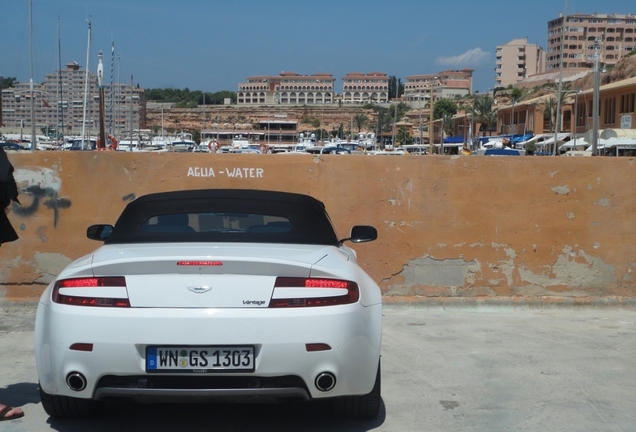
(210, 295)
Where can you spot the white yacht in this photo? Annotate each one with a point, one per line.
(240, 144)
(184, 143)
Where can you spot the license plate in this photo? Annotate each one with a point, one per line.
(200, 359)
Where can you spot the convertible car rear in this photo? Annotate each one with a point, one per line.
(209, 295)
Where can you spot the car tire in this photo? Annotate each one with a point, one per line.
(68, 407)
(359, 407)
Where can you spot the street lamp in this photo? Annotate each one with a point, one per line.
(595, 102)
(576, 110)
(512, 119)
(419, 104)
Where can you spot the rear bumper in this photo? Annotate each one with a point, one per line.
(120, 337)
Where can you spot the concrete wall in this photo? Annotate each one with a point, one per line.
(510, 228)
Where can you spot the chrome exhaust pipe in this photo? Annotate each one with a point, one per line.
(325, 381)
(76, 381)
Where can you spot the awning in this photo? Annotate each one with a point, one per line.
(618, 142)
(454, 140)
(533, 139)
(560, 138)
(521, 138)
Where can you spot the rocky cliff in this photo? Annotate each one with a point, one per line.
(226, 117)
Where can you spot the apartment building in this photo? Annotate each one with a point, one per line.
(59, 104)
(449, 84)
(288, 88)
(517, 60)
(612, 36)
(364, 88)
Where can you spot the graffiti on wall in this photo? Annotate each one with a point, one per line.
(42, 185)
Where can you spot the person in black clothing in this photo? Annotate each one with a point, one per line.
(8, 193)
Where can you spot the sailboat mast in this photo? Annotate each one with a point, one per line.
(88, 50)
(112, 90)
(118, 122)
(560, 86)
(33, 137)
(131, 110)
(60, 97)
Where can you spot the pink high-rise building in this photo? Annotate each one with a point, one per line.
(612, 36)
(517, 60)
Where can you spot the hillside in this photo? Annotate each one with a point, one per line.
(624, 68)
(246, 118)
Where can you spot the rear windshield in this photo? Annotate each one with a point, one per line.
(225, 216)
(217, 222)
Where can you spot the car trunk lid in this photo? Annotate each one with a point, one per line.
(205, 276)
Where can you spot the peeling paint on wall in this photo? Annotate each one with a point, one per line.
(561, 190)
(49, 265)
(572, 268)
(427, 271)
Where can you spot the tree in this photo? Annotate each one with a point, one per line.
(518, 94)
(8, 82)
(444, 107)
(485, 113)
(403, 137)
(360, 121)
(549, 110)
(449, 124)
(338, 132)
(186, 97)
(395, 84)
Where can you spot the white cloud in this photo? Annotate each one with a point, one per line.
(469, 58)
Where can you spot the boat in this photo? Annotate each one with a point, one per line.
(415, 149)
(388, 152)
(498, 147)
(79, 143)
(327, 150)
(129, 145)
(367, 142)
(240, 144)
(184, 143)
(505, 151)
(304, 142)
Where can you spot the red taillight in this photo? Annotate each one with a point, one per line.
(84, 297)
(299, 300)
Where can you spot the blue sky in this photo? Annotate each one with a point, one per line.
(212, 45)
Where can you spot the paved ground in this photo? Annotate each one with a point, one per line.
(479, 369)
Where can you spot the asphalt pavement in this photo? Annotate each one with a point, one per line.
(443, 369)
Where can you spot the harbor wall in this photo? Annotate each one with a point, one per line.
(462, 228)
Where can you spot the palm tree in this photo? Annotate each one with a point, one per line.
(516, 95)
(360, 121)
(566, 90)
(403, 137)
(485, 112)
(449, 124)
(549, 110)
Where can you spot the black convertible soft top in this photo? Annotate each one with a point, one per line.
(224, 215)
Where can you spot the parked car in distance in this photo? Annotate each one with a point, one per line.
(327, 150)
(77, 144)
